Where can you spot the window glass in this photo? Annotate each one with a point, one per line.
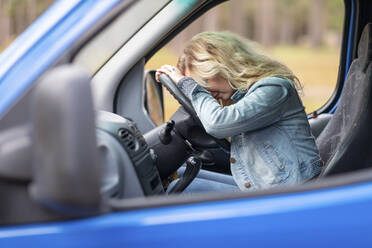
(304, 35)
(16, 16)
(106, 43)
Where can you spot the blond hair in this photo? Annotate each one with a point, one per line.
(211, 54)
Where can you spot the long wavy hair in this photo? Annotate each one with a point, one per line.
(211, 54)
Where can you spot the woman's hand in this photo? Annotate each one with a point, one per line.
(171, 71)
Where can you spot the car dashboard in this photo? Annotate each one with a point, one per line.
(129, 164)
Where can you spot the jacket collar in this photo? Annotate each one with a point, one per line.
(238, 95)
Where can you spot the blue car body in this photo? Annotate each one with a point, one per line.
(44, 41)
(336, 214)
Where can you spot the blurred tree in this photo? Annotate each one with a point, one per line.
(335, 14)
(211, 20)
(335, 20)
(16, 15)
(316, 24)
(301, 11)
(32, 11)
(286, 9)
(292, 21)
(264, 23)
(237, 20)
(4, 23)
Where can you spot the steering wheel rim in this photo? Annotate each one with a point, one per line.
(186, 103)
(178, 94)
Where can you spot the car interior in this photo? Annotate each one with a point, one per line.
(95, 149)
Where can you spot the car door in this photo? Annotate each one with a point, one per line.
(331, 211)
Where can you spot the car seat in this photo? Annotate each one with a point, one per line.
(318, 123)
(345, 144)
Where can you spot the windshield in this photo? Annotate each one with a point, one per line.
(98, 50)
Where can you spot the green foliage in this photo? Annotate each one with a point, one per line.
(335, 14)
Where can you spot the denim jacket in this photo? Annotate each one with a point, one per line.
(271, 141)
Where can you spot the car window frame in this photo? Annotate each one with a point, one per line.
(351, 178)
(347, 32)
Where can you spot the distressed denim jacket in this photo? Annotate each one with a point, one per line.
(271, 141)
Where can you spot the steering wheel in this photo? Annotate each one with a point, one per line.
(186, 104)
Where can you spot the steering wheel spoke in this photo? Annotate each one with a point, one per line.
(186, 104)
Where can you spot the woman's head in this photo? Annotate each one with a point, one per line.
(218, 56)
(218, 86)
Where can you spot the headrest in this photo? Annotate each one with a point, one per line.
(365, 47)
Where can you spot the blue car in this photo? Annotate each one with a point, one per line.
(85, 156)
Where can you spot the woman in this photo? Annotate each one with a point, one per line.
(271, 141)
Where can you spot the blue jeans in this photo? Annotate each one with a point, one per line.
(207, 181)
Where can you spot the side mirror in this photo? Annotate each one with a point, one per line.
(153, 98)
(66, 168)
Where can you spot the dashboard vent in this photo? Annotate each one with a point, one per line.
(128, 138)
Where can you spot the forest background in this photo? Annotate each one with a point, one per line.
(303, 34)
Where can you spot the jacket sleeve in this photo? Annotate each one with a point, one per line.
(257, 109)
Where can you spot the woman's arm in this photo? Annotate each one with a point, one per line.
(262, 107)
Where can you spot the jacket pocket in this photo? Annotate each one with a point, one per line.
(276, 162)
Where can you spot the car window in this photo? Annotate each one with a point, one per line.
(304, 35)
(98, 50)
